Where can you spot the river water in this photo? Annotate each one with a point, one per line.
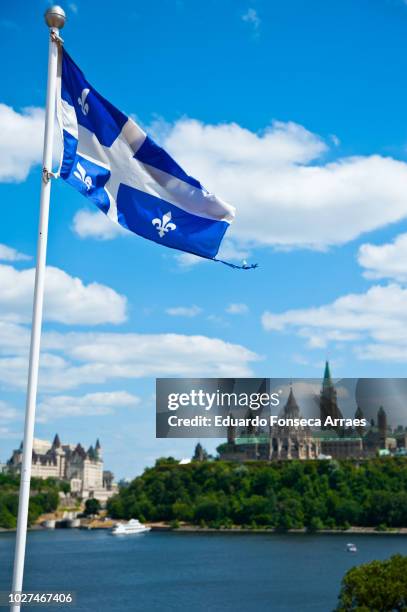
(192, 572)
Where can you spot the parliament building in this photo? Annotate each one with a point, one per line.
(302, 442)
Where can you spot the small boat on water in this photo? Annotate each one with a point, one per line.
(351, 547)
(133, 526)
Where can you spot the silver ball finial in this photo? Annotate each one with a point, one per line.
(55, 17)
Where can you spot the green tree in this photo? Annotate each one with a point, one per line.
(315, 524)
(166, 461)
(115, 507)
(182, 511)
(290, 513)
(92, 506)
(288, 495)
(256, 509)
(7, 520)
(347, 512)
(379, 586)
(208, 510)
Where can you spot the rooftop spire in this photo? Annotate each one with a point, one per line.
(327, 384)
(91, 452)
(327, 373)
(328, 404)
(57, 442)
(291, 409)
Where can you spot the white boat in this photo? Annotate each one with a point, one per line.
(351, 547)
(133, 526)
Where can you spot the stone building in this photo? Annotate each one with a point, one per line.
(328, 400)
(347, 445)
(292, 442)
(302, 442)
(83, 469)
(278, 442)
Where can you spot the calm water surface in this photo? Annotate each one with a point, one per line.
(199, 572)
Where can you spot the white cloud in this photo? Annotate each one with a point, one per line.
(7, 434)
(97, 404)
(286, 196)
(73, 7)
(335, 140)
(14, 339)
(67, 299)
(251, 17)
(73, 359)
(229, 251)
(89, 224)
(155, 354)
(8, 412)
(386, 260)
(21, 141)
(9, 254)
(187, 260)
(237, 309)
(378, 316)
(383, 352)
(184, 311)
(228, 145)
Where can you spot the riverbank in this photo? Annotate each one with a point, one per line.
(95, 524)
(186, 528)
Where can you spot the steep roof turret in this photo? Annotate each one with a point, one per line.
(291, 409)
(327, 382)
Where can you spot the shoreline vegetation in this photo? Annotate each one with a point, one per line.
(44, 498)
(287, 496)
(354, 530)
(326, 497)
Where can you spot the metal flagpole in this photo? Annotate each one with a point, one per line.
(55, 19)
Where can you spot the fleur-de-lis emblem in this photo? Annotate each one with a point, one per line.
(80, 174)
(163, 225)
(82, 101)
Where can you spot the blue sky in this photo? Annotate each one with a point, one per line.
(296, 113)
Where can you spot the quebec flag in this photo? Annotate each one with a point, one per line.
(114, 163)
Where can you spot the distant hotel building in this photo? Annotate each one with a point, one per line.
(71, 463)
(281, 443)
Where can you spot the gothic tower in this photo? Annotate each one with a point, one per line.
(291, 409)
(231, 432)
(359, 415)
(328, 403)
(382, 426)
(98, 449)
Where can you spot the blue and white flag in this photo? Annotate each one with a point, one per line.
(114, 163)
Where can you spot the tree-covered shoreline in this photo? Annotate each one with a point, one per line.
(44, 498)
(314, 495)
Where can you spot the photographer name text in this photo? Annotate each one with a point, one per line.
(258, 421)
